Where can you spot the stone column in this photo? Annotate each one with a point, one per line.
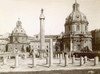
(63, 55)
(85, 59)
(64, 47)
(58, 55)
(60, 58)
(64, 51)
(96, 60)
(47, 60)
(42, 33)
(33, 60)
(73, 59)
(81, 61)
(4, 59)
(16, 60)
(66, 59)
(51, 53)
(24, 56)
(70, 47)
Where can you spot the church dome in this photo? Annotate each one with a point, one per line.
(76, 16)
(18, 29)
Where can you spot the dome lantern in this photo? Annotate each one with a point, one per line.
(18, 23)
(75, 6)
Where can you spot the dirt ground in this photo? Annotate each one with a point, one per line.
(26, 65)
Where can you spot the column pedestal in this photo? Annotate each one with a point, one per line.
(73, 59)
(51, 53)
(4, 60)
(66, 60)
(60, 58)
(33, 60)
(81, 61)
(16, 60)
(96, 60)
(85, 59)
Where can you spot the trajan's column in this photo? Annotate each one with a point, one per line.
(42, 34)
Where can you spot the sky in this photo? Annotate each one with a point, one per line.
(55, 12)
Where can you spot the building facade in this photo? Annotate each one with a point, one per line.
(18, 39)
(4, 40)
(35, 42)
(96, 40)
(76, 37)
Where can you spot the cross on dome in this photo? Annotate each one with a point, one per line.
(42, 10)
(18, 19)
(75, 6)
(18, 23)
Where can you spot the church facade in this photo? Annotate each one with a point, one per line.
(76, 37)
(18, 39)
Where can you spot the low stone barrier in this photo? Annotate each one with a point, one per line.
(33, 60)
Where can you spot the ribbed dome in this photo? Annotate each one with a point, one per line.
(18, 29)
(76, 16)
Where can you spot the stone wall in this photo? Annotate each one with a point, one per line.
(96, 40)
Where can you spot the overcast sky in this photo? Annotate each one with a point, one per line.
(55, 12)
